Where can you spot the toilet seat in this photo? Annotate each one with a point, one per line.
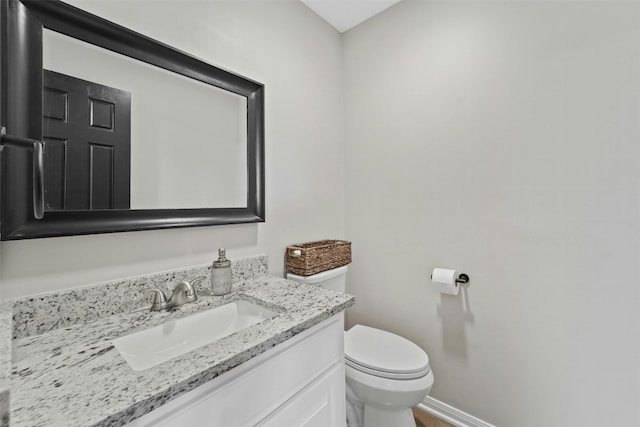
(383, 354)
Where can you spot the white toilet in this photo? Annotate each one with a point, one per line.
(386, 375)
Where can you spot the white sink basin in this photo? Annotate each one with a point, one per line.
(150, 347)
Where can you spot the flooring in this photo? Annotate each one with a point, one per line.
(424, 419)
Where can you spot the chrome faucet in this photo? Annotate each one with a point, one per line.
(183, 293)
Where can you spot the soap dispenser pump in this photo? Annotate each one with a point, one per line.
(221, 274)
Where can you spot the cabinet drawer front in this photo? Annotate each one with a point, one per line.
(248, 393)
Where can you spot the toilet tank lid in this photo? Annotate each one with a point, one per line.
(319, 277)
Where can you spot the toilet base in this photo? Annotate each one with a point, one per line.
(378, 417)
(380, 402)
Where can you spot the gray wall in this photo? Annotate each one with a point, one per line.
(502, 139)
(299, 59)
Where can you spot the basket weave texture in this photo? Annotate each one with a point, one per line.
(318, 256)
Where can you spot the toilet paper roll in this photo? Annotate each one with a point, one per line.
(444, 281)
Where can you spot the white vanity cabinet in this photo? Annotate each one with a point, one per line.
(299, 382)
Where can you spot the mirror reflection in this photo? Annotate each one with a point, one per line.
(122, 134)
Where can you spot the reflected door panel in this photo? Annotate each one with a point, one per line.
(87, 134)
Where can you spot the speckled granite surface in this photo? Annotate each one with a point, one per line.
(46, 312)
(5, 362)
(73, 376)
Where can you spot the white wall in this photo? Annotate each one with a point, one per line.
(502, 139)
(298, 57)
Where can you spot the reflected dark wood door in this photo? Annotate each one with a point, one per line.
(87, 153)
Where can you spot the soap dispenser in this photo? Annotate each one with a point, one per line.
(221, 274)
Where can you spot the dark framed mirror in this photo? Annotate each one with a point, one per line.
(112, 189)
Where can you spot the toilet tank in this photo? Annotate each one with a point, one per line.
(335, 279)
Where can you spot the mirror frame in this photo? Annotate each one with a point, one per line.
(22, 22)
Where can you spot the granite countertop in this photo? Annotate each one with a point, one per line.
(5, 363)
(73, 375)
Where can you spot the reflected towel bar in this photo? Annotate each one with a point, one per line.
(38, 166)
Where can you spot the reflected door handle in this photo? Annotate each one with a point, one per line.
(37, 148)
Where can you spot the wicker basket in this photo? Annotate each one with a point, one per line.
(305, 259)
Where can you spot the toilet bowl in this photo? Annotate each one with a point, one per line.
(386, 374)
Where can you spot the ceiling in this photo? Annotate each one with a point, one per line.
(346, 14)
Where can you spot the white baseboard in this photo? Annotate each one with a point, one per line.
(450, 414)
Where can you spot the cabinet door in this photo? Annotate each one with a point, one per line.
(320, 404)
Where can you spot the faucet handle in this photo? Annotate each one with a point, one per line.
(183, 293)
(159, 299)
